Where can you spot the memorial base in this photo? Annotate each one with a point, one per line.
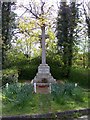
(43, 75)
(42, 88)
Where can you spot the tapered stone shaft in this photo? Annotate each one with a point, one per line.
(43, 45)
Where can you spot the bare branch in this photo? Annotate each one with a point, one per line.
(49, 8)
(87, 18)
(30, 6)
(42, 11)
(88, 5)
(34, 7)
(23, 14)
(30, 10)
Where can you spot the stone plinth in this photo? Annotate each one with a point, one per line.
(43, 75)
(43, 88)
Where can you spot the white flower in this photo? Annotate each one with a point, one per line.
(75, 84)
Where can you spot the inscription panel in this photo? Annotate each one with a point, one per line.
(42, 88)
(40, 70)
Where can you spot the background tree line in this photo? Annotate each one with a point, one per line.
(22, 50)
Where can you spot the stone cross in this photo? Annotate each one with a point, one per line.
(43, 36)
(43, 69)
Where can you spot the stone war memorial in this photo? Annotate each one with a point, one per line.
(43, 79)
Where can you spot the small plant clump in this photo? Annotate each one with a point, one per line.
(62, 93)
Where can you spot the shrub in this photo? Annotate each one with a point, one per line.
(78, 94)
(14, 58)
(24, 95)
(9, 76)
(27, 72)
(68, 88)
(58, 93)
(80, 76)
(18, 94)
(36, 61)
(61, 93)
(54, 63)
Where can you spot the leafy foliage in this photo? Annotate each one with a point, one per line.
(27, 67)
(18, 94)
(14, 58)
(78, 94)
(28, 29)
(80, 76)
(66, 24)
(8, 25)
(62, 93)
(27, 72)
(9, 76)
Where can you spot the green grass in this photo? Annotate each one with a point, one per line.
(0, 102)
(29, 108)
(34, 108)
(41, 103)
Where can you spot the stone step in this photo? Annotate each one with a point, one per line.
(43, 76)
(40, 78)
(44, 73)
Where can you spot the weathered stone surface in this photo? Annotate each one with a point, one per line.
(43, 73)
(43, 88)
(43, 68)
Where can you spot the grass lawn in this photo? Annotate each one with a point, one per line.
(41, 103)
(0, 102)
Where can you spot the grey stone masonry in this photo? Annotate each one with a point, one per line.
(43, 73)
